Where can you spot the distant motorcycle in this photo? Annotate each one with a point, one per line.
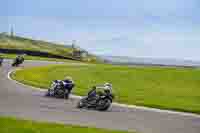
(100, 102)
(17, 61)
(58, 90)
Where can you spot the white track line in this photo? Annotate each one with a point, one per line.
(116, 104)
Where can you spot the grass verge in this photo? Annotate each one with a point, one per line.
(12, 125)
(164, 88)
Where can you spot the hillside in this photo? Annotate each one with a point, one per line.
(16, 42)
(17, 45)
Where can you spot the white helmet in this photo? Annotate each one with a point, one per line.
(108, 88)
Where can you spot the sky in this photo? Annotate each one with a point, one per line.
(135, 28)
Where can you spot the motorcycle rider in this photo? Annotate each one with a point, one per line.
(20, 58)
(67, 84)
(99, 91)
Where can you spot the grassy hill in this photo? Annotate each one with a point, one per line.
(21, 43)
(33, 45)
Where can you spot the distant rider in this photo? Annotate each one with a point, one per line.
(20, 58)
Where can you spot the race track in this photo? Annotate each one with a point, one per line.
(23, 102)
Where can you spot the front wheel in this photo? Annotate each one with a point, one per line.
(59, 93)
(104, 104)
(13, 64)
(49, 93)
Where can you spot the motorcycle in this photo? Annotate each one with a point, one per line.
(99, 102)
(17, 62)
(57, 90)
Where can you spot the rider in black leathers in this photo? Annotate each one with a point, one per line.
(20, 58)
(67, 84)
(97, 91)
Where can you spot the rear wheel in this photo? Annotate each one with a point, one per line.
(81, 103)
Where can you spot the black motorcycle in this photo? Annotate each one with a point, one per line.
(99, 102)
(17, 62)
(58, 90)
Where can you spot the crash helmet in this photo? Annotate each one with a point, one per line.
(68, 78)
(108, 87)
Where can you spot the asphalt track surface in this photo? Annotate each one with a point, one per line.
(23, 102)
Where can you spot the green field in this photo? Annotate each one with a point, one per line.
(12, 125)
(165, 88)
